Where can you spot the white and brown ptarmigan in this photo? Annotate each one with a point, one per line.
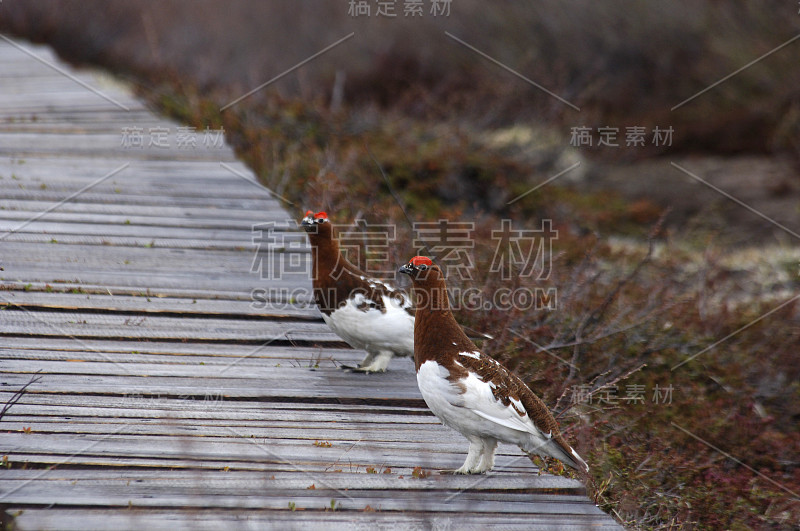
(366, 312)
(471, 392)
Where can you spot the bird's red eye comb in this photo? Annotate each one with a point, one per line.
(421, 260)
(321, 215)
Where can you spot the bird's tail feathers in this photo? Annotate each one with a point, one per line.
(566, 454)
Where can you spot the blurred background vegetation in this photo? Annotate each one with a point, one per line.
(651, 266)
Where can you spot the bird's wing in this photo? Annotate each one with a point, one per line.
(483, 387)
(483, 399)
(500, 396)
(390, 294)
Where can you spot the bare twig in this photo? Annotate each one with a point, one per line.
(597, 314)
(591, 319)
(343, 454)
(608, 384)
(394, 194)
(18, 395)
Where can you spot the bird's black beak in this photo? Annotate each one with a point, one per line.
(407, 269)
(307, 223)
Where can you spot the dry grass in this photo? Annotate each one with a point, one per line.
(622, 63)
(431, 115)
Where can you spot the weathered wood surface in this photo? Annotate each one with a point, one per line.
(166, 398)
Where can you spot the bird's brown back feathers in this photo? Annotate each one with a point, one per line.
(439, 337)
(336, 279)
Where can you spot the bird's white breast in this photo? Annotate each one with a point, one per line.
(373, 329)
(447, 402)
(475, 411)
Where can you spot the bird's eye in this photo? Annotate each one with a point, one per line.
(422, 267)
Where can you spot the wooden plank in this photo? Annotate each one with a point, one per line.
(151, 258)
(121, 190)
(241, 445)
(21, 172)
(191, 461)
(319, 388)
(48, 89)
(78, 98)
(18, 58)
(221, 369)
(143, 281)
(243, 203)
(141, 406)
(305, 518)
(97, 121)
(122, 186)
(21, 234)
(245, 453)
(88, 347)
(191, 418)
(37, 300)
(291, 356)
(52, 90)
(198, 412)
(203, 520)
(110, 242)
(168, 396)
(211, 217)
(242, 237)
(340, 434)
(154, 267)
(71, 217)
(540, 487)
(83, 324)
(319, 498)
(36, 108)
(28, 144)
(36, 93)
(66, 166)
(86, 288)
(276, 381)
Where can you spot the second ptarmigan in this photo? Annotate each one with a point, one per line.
(366, 312)
(471, 392)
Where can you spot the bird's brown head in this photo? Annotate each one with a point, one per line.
(318, 224)
(429, 287)
(421, 269)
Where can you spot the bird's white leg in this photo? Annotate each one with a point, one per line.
(473, 457)
(487, 455)
(375, 362)
(368, 359)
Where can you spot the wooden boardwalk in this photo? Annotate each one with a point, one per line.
(165, 398)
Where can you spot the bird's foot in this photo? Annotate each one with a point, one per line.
(360, 369)
(377, 362)
(462, 471)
